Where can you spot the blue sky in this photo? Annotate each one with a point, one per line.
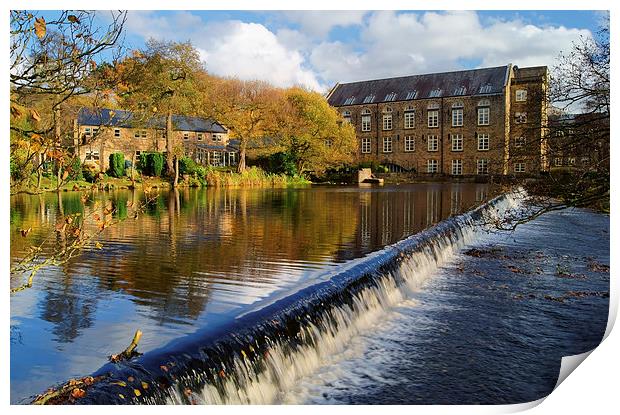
(319, 48)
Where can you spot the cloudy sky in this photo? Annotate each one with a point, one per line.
(319, 48)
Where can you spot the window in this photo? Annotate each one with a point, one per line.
(558, 161)
(435, 93)
(433, 118)
(140, 134)
(387, 144)
(347, 116)
(585, 160)
(387, 119)
(521, 95)
(349, 101)
(457, 117)
(366, 120)
(232, 158)
(483, 142)
(409, 117)
(482, 166)
(328, 142)
(369, 99)
(519, 167)
(409, 143)
(461, 90)
(571, 161)
(366, 145)
(199, 136)
(185, 136)
(117, 132)
(485, 89)
(391, 96)
(457, 167)
(412, 95)
(483, 115)
(216, 137)
(92, 155)
(521, 117)
(87, 132)
(519, 142)
(143, 133)
(457, 142)
(432, 143)
(431, 166)
(216, 158)
(95, 131)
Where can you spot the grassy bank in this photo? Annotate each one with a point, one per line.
(252, 177)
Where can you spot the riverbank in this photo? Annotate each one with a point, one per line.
(252, 177)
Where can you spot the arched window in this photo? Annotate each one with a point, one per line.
(457, 105)
(366, 111)
(484, 103)
(387, 110)
(433, 106)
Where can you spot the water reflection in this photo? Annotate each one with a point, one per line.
(193, 259)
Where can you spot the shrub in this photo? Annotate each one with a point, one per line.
(90, 172)
(187, 166)
(155, 163)
(143, 163)
(283, 163)
(117, 165)
(151, 164)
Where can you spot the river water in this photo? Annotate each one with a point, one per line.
(197, 262)
(195, 258)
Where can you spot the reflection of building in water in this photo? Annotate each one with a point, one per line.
(456, 196)
(386, 221)
(365, 206)
(482, 193)
(408, 214)
(432, 206)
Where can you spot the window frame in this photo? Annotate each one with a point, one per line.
(387, 144)
(484, 138)
(409, 119)
(431, 138)
(387, 121)
(458, 163)
(521, 95)
(433, 115)
(456, 142)
(366, 145)
(434, 164)
(409, 144)
(482, 166)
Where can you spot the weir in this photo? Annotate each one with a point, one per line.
(263, 352)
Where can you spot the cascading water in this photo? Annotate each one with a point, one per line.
(264, 352)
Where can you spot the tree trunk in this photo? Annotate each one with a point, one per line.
(176, 171)
(241, 165)
(169, 138)
(133, 170)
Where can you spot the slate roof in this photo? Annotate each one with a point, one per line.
(127, 119)
(485, 81)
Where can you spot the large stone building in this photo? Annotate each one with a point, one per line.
(99, 133)
(489, 121)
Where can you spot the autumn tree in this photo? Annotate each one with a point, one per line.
(50, 65)
(313, 133)
(246, 108)
(160, 80)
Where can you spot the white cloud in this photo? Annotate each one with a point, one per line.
(319, 23)
(251, 51)
(387, 44)
(410, 43)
